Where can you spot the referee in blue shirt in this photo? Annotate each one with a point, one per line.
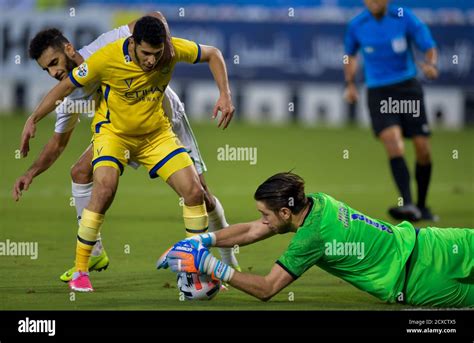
(383, 34)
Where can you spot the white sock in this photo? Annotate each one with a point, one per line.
(217, 222)
(82, 195)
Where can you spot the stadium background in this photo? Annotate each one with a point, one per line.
(285, 65)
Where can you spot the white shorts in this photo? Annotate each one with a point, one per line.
(183, 130)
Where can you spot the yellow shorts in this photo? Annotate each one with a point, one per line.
(160, 152)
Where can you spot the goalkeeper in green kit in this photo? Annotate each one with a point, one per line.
(395, 263)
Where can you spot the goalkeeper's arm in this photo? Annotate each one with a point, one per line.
(261, 287)
(237, 234)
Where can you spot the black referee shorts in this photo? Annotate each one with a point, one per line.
(399, 104)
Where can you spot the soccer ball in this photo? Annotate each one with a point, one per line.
(198, 286)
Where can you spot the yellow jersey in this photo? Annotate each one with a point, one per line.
(132, 98)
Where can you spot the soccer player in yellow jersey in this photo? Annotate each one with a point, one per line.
(130, 124)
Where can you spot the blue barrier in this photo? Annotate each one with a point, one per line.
(308, 52)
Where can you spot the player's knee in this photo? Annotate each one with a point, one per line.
(81, 173)
(209, 201)
(394, 147)
(105, 194)
(194, 195)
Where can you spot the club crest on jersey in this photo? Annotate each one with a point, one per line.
(165, 70)
(399, 45)
(82, 70)
(129, 82)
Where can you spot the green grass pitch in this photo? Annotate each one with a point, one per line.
(145, 218)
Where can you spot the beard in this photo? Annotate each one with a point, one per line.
(137, 58)
(283, 227)
(70, 64)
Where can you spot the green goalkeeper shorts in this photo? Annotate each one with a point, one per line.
(441, 268)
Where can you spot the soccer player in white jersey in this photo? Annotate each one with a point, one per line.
(57, 56)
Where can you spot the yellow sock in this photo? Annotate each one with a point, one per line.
(89, 228)
(195, 219)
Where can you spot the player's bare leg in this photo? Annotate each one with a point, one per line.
(392, 140)
(186, 183)
(423, 174)
(217, 221)
(106, 180)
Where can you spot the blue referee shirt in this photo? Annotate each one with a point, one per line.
(386, 44)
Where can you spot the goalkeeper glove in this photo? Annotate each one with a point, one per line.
(191, 256)
(206, 239)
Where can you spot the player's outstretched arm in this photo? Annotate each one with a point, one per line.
(47, 105)
(242, 234)
(237, 234)
(214, 57)
(191, 256)
(262, 287)
(50, 153)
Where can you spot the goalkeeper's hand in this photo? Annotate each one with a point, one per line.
(191, 256)
(163, 260)
(206, 239)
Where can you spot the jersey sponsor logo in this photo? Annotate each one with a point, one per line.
(82, 70)
(142, 93)
(361, 217)
(343, 216)
(128, 82)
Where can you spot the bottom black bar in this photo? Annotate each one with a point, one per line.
(419, 325)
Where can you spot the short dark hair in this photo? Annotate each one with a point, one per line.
(282, 190)
(149, 29)
(44, 39)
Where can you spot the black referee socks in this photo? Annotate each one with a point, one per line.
(423, 176)
(402, 178)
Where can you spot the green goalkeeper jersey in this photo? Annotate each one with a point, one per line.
(368, 253)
